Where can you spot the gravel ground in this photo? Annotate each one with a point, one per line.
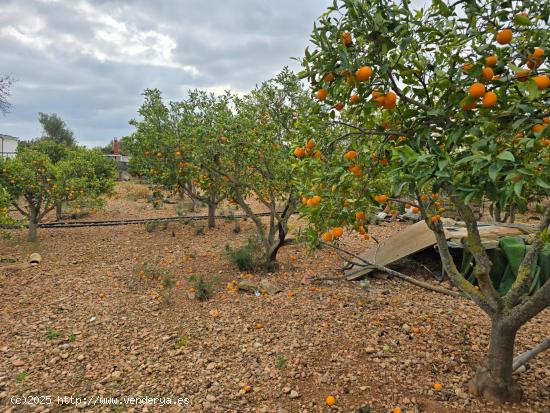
(97, 318)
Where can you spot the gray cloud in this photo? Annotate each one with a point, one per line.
(89, 61)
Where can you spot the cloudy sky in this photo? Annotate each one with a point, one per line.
(89, 60)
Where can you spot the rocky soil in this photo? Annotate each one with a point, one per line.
(111, 312)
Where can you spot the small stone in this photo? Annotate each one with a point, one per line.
(370, 350)
(246, 285)
(18, 363)
(286, 390)
(211, 366)
(268, 286)
(406, 328)
(80, 357)
(116, 375)
(294, 394)
(210, 398)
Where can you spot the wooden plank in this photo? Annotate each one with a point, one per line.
(413, 239)
(416, 238)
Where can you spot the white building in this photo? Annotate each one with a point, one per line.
(8, 146)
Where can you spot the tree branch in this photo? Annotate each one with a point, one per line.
(523, 279)
(396, 273)
(524, 357)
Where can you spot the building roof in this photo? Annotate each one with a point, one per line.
(13, 138)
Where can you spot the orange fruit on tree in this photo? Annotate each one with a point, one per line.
(397, 410)
(359, 215)
(467, 66)
(317, 154)
(542, 81)
(545, 142)
(350, 80)
(537, 53)
(416, 210)
(488, 74)
(489, 99)
(247, 388)
(376, 93)
(491, 60)
(329, 77)
(504, 36)
(310, 144)
(327, 237)
(538, 128)
(390, 100)
(350, 155)
(366, 237)
(441, 209)
(330, 400)
(354, 99)
(311, 202)
(299, 152)
(546, 119)
(477, 90)
(346, 38)
(424, 197)
(316, 199)
(339, 106)
(355, 169)
(380, 101)
(436, 218)
(363, 73)
(321, 94)
(337, 232)
(381, 198)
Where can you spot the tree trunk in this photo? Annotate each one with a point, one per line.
(212, 211)
(272, 255)
(493, 380)
(512, 214)
(33, 222)
(58, 210)
(496, 213)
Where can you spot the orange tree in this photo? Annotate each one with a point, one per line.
(5, 218)
(168, 141)
(35, 184)
(454, 98)
(256, 154)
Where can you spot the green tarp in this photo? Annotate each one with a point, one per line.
(506, 260)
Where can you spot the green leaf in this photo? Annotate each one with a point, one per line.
(493, 172)
(506, 156)
(542, 183)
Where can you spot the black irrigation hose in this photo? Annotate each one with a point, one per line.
(80, 224)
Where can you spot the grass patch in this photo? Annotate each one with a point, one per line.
(203, 289)
(280, 361)
(248, 257)
(51, 334)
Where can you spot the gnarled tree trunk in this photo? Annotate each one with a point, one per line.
(493, 379)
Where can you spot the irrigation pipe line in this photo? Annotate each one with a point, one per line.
(80, 224)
